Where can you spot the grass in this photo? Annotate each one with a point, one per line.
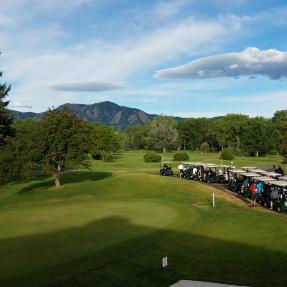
(111, 226)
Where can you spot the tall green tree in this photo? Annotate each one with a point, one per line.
(162, 133)
(260, 137)
(135, 137)
(63, 137)
(5, 116)
(283, 142)
(192, 132)
(104, 139)
(49, 143)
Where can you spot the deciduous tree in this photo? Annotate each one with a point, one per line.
(162, 133)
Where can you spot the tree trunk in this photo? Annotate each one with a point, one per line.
(257, 153)
(57, 176)
(164, 149)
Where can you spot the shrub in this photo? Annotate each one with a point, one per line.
(205, 147)
(180, 156)
(97, 156)
(235, 151)
(227, 154)
(106, 156)
(151, 156)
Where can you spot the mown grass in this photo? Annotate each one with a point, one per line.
(112, 224)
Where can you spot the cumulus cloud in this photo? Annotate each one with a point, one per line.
(32, 66)
(166, 9)
(86, 87)
(250, 62)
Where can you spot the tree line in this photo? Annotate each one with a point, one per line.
(252, 136)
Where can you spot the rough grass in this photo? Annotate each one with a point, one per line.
(111, 226)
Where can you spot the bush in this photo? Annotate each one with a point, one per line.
(180, 156)
(235, 151)
(151, 156)
(106, 156)
(205, 147)
(97, 156)
(227, 154)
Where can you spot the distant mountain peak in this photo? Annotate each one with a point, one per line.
(106, 112)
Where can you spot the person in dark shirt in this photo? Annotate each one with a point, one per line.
(273, 196)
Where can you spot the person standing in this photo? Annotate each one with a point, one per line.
(180, 169)
(253, 189)
(273, 196)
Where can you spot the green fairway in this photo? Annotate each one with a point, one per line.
(111, 226)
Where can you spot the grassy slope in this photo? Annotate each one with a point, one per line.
(112, 225)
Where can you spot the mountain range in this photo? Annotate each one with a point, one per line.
(106, 112)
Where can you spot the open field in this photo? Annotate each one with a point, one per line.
(132, 161)
(112, 224)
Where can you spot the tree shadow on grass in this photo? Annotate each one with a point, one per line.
(116, 252)
(67, 178)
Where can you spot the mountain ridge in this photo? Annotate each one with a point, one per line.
(106, 112)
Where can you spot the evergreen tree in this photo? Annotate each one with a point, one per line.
(5, 117)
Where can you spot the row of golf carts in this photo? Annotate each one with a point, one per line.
(274, 192)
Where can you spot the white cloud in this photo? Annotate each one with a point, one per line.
(251, 61)
(86, 87)
(20, 105)
(40, 62)
(166, 9)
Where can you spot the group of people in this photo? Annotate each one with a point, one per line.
(262, 192)
(203, 173)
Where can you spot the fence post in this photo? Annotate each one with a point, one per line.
(213, 200)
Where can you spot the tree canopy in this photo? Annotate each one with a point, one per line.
(5, 116)
(162, 133)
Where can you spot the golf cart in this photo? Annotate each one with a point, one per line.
(235, 179)
(197, 170)
(209, 172)
(280, 204)
(187, 170)
(248, 179)
(264, 197)
(165, 169)
(222, 173)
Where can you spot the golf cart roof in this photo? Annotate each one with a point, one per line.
(249, 174)
(248, 167)
(258, 170)
(279, 183)
(237, 171)
(198, 163)
(211, 165)
(224, 165)
(271, 173)
(264, 178)
(284, 178)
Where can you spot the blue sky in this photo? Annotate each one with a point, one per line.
(181, 57)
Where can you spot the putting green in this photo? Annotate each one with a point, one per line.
(56, 217)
